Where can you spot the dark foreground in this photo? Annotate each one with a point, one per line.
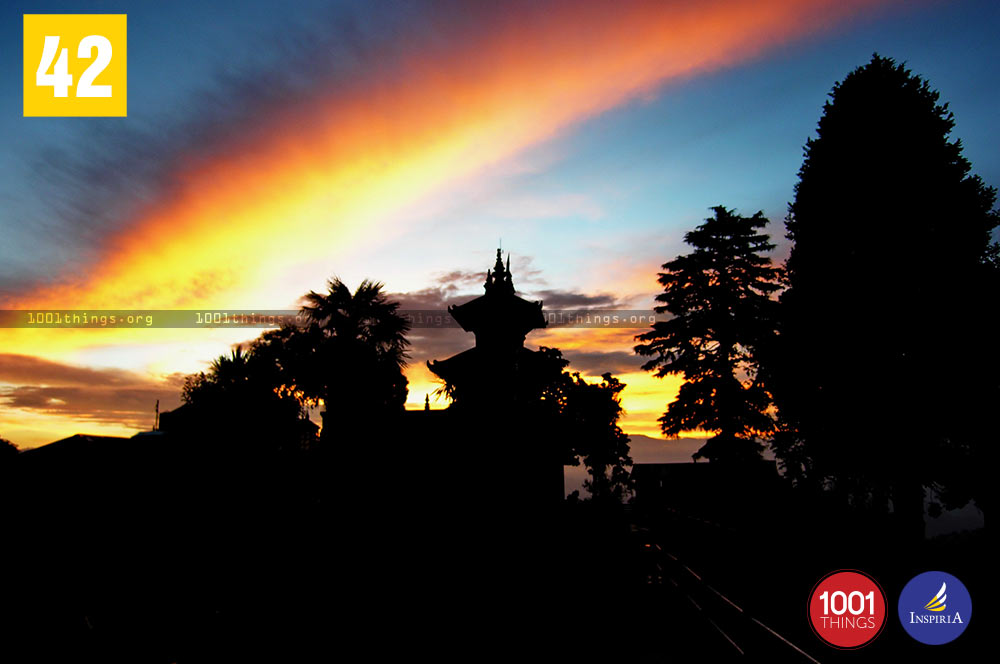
(148, 555)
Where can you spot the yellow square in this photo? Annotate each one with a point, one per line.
(75, 65)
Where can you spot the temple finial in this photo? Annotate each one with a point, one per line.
(500, 275)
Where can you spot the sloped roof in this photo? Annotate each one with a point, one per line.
(78, 446)
(499, 311)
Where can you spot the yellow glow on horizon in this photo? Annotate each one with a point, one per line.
(28, 429)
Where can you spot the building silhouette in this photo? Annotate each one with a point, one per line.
(494, 387)
(487, 376)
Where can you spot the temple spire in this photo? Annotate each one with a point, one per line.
(500, 319)
(499, 279)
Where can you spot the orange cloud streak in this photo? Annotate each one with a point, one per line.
(311, 184)
(236, 221)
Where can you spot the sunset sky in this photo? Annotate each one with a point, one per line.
(269, 146)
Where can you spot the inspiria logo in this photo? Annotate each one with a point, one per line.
(937, 602)
(941, 619)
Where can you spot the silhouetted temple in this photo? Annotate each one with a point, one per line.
(498, 443)
(487, 376)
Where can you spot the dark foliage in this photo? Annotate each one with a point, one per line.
(561, 407)
(590, 417)
(882, 375)
(720, 298)
(242, 403)
(356, 349)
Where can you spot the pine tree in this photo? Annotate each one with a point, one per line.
(720, 298)
(881, 377)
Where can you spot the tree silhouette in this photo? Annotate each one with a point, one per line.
(560, 406)
(563, 406)
(349, 356)
(291, 351)
(360, 352)
(881, 376)
(590, 417)
(720, 299)
(239, 401)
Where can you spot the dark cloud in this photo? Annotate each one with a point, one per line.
(435, 298)
(559, 299)
(464, 280)
(457, 279)
(35, 370)
(433, 343)
(113, 396)
(595, 363)
(438, 344)
(132, 406)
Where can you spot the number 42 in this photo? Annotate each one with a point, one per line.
(60, 79)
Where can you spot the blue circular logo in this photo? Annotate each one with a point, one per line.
(935, 608)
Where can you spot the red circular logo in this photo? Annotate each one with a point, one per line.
(847, 609)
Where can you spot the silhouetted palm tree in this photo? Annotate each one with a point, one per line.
(362, 353)
(232, 369)
(365, 319)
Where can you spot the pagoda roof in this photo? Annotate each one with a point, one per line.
(472, 362)
(456, 365)
(498, 311)
(499, 308)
